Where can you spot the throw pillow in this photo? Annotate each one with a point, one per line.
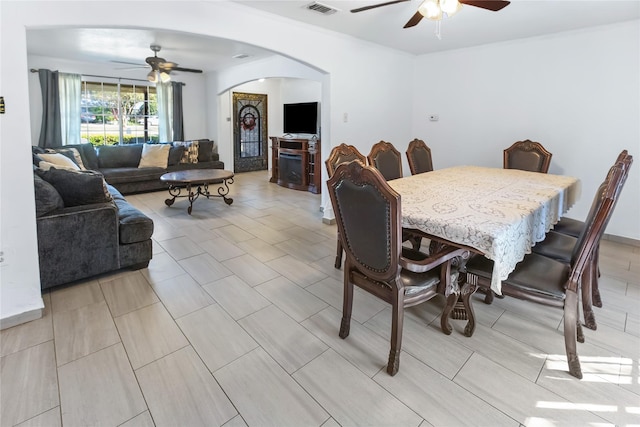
(191, 151)
(154, 155)
(78, 187)
(205, 150)
(47, 197)
(175, 155)
(73, 154)
(59, 160)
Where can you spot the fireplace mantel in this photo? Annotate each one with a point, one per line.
(296, 163)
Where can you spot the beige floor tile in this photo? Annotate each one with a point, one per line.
(181, 248)
(83, 331)
(288, 343)
(222, 249)
(29, 384)
(426, 343)
(180, 391)
(268, 234)
(261, 250)
(142, 420)
(236, 297)
(99, 389)
(28, 334)
(351, 397)
(50, 418)
(204, 268)
(215, 336)
(148, 334)
(305, 251)
(258, 386)
(363, 348)
(298, 272)
(236, 421)
(276, 222)
(250, 269)
(432, 396)
(127, 294)
(531, 404)
(181, 295)
(76, 296)
(233, 233)
(291, 298)
(162, 267)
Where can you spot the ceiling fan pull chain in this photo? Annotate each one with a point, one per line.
(438, 28)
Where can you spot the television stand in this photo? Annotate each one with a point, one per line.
(296, 163)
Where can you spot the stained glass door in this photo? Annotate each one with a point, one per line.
(250, 132)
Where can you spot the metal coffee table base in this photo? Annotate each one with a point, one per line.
(202, 190)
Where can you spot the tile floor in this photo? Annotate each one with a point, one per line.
(235, 323)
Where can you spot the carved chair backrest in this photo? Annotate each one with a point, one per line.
(527, 155)
(343, 153)
(386, 159)
(419, 157)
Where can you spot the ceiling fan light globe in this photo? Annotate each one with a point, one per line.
(152, 77)
(430, 9)
(450, 7)
(164, 77)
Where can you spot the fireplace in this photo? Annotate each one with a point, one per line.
(290, 169)
(296, 163)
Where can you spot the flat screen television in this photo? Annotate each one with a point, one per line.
(301, 118)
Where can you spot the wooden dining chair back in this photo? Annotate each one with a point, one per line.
(368, 214)
(343, 153)
(527, 155)
(550, 282)
(562, 247)
(386, 159)
(419, 157)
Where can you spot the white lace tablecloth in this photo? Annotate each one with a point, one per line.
(501, 213)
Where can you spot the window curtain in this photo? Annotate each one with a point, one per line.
(69, 87)
(50, 130)
(165, 121)
(178, 126)
(60, 108)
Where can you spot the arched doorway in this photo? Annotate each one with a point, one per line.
(249, 132)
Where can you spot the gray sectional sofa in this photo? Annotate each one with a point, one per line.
(85, 226)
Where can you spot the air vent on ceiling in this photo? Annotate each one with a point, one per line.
(321, 8)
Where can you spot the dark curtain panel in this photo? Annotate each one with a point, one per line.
(51, 130)
(178, 126)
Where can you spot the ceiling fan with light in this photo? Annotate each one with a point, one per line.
(434, 9)
(160, 67)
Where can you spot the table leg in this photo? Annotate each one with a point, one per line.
(174, 192)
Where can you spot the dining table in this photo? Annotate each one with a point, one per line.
(498, 213)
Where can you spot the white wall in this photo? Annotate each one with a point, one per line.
(576, 93)
(373, 86)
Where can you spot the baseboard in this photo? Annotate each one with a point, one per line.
(328, 221)
(21, 318)
(623, 240)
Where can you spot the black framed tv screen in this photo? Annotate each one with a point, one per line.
(301, 118)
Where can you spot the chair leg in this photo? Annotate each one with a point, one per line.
(338, 262)
(347, 305)
(571, 333)
(466, 293)
(396, 335)
(587, 287)
(416, 241)
(595, 292)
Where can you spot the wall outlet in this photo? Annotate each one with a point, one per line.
(434, 117)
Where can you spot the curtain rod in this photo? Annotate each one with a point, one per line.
(35, 70)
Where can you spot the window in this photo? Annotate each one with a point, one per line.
(117, 113)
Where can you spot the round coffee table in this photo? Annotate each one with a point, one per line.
(200, 178)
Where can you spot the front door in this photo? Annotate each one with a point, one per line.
(250, 132)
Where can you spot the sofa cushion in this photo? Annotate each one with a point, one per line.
(77, 187)
(175, 154)
(154, 155)
(119, 156)
(47, 197)
(134, 225)
(205, 150)
(58, 160)
(132, 174)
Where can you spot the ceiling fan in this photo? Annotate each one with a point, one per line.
(433, 9)
(160, 67)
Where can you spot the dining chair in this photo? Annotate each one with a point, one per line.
(560, 246)
(368, 213)
(386, 159)
(543, 280)
(419, 157)
(527, 155)
(343, 153)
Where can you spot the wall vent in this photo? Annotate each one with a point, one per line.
(321, 8)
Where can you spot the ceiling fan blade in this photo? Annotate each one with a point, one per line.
(493, 5)
(128, 63)
(373, 6)
(188, 70)
(417, 17)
